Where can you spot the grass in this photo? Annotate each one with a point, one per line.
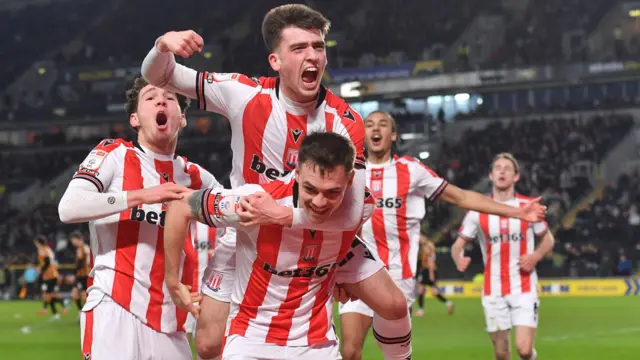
(570, 328)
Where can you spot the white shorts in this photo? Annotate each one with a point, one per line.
(359, 264)
(190, 324)
(108, 332)
(505, 312)
(218, 279)
(408, 287)
(241, 348)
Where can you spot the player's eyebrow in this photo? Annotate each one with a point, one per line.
(153, 88)
(304, 44)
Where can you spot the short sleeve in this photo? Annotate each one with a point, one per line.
(428, 183)
(100, 165)
(353, 128)
(540, 228)
(469, 228)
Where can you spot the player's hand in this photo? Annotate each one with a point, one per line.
(341, 294)
(528, 262)
(262, 209)
(533, 211)
(157, 194)
(432, 277)
(185, 299)
(463, 263)
(183, 43)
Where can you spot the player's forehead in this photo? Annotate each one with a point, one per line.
(503, 163)
(377, 118)
(313, 175)
(293, 35)
(153, 90)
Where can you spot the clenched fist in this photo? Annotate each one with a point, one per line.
(183, 43)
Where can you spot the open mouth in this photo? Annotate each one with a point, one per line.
(161, 119)
(376, 140)
(319, 212)
(310, 75)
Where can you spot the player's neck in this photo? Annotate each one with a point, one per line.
(167, 149)
(379, 159)
(504, 195)
(291, 100)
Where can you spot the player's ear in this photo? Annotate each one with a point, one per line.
(274, 61)
(183, 121)
(134, 121)
(516, 178)
(394, 136)
(351, 174)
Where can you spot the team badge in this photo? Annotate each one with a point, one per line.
(292, 158)
(214, 281)
(309, 253)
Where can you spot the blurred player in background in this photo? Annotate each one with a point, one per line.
(427, 275)
(83, 258)
(510, 296)
(121, 189)
(49, 276)
(269, 118)
(400, 185)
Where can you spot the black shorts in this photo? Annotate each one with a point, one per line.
(81, 282)
(50, 286)
(423, 278)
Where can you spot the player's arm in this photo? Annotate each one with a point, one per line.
(81, 259)
(467, 232)
(87, 198)
(431, 264)
(220, 93)
(214, 207)
(529, 262)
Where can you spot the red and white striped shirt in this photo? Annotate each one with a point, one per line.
(203, 238)
(284, 276)
(400, 187)
(128, 247)
(503, 241)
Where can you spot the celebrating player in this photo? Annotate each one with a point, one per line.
(121, 188)
(401, 185)
(269, 119)
(427, 275)
(510, 297)
(48, 277)
(280, 306)
(83, 255)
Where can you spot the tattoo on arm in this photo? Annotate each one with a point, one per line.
(196, 205)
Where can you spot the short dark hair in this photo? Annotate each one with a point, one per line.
(327, 150)
(41, 239)
(284, 16)
(77, 235)
(133, 94)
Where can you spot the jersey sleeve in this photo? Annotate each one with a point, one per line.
(220, 206)
(540, 228)
(428, 183)
(100, 165)
(369, 205)
(217, 92)
(469, 228)
(351, 126)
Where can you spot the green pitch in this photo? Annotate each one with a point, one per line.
(570, 328)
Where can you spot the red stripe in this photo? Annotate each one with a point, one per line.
(87, 339)
(296, 124)
(329, 118)
(156, 276)
(194, 173)
(505, 256)
(254, 121)
(281, 323)
(525, 277)
(268, 246)
(484, 226)
(127, 238)
(319, 323)
(404, 179)
(377, 220)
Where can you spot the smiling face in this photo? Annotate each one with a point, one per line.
(158, 117)
(321, 191)
(380, 133)
(300, 59)
(504, 174)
